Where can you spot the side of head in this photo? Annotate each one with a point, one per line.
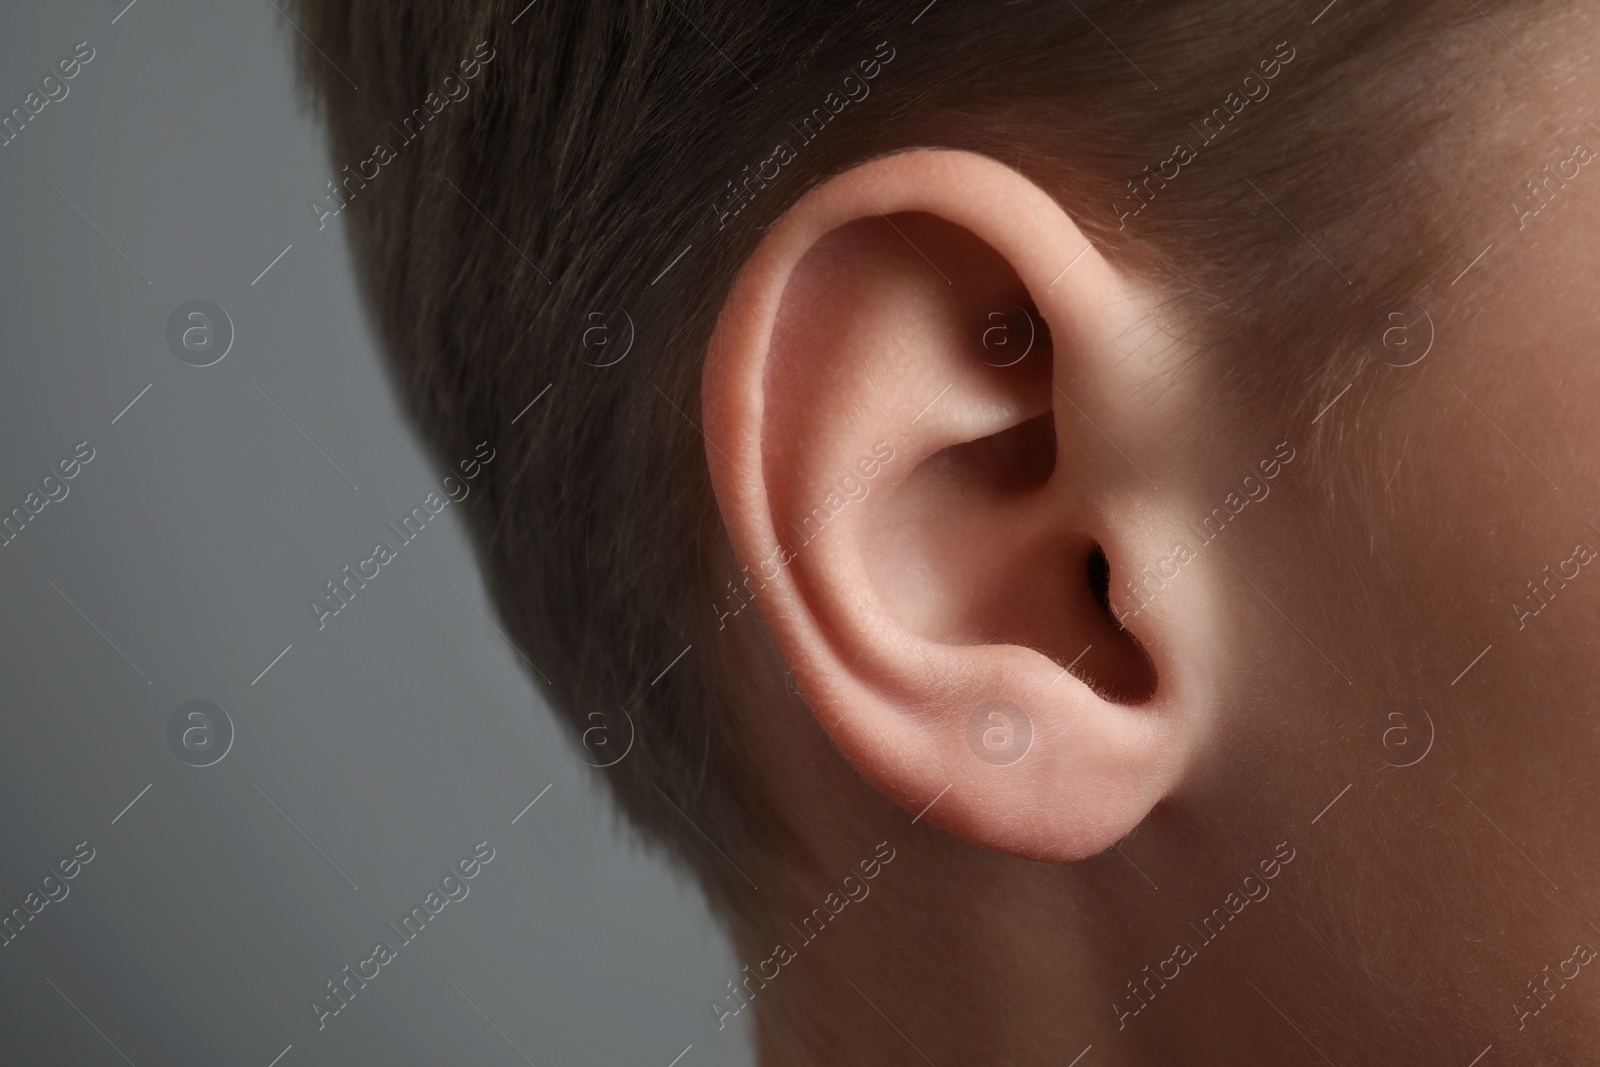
(1075, 444)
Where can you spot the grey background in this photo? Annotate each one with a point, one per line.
(394, 739)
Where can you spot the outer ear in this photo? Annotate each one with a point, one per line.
(923, 432)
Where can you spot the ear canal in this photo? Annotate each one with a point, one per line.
(1126, 674)
(1100, 578)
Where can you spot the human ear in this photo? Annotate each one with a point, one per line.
(951, 629)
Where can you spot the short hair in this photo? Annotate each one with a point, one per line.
(589, 180)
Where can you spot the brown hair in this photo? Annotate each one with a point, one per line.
(602, 164)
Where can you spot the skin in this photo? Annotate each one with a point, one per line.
(1440, 855)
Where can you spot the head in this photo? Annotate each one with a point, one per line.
(1127, 462)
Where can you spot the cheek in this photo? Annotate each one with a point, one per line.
(1390, 565)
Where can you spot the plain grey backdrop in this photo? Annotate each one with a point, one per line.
(374, 753)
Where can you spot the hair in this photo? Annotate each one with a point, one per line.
(589, 180)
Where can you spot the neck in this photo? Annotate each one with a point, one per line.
(906, 968)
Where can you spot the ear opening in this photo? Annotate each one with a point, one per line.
(1100, 578)
(1127, 674)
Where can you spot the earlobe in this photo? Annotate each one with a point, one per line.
(937, 522)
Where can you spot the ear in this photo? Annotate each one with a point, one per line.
(933, 443)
